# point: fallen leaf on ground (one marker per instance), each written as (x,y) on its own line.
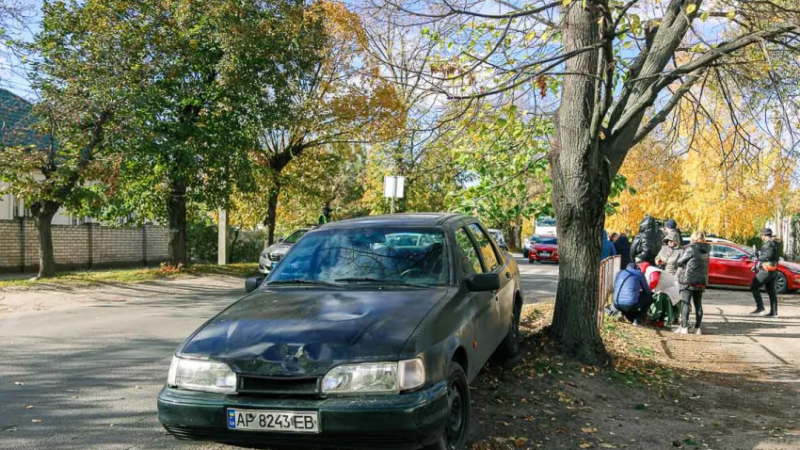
(36,420)
(29,407)
(19,383)
(589,430)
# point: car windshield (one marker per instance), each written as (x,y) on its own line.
(546,222)
(366,256)
(294,237)
(547,241)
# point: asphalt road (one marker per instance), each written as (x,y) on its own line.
(86,376)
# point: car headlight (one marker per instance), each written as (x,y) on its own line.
(794,270)
(374,378)
(201,375)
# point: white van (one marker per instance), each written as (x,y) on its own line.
(545,226)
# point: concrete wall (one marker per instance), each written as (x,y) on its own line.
(81,246)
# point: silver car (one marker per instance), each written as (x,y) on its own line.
(274,253)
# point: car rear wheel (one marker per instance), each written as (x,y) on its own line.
(781,284)
(509,348)
(454,436)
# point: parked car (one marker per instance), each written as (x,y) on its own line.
(499,238)
(272,255)
(352,342)
(710,238)
(543,248)
(730,265)
(546,226)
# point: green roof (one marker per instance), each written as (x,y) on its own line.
(17,121)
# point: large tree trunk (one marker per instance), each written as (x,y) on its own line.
(272,212)
(176,218)
(43,213)
(581,185)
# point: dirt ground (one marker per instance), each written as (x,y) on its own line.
(651,401)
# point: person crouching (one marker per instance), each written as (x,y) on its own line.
(632,294)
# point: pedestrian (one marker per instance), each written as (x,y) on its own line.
(671,231)
(632,294)
(613,237)
(692,278)
(647,243)
(670,252)
(608,249)
(623,247)
(766,274)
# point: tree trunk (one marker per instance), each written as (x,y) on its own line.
(581,184)
(43,213)
(176,218)
(272,213)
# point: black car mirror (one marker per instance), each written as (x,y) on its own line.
(252,283)
(481,282)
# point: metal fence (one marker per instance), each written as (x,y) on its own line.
(608,269)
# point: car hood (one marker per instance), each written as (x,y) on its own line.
(280,249)
(546,247)
(305,332)
(793,267)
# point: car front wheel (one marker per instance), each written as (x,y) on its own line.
(454,436)
(781,284)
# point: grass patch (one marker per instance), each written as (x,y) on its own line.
(135,275)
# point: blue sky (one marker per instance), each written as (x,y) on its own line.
(12,71)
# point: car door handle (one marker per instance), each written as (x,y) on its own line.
(508,275)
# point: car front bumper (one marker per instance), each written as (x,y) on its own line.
(264,265)
(406,421)
(533,256)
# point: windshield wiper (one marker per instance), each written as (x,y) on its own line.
(377,281)
(302,281)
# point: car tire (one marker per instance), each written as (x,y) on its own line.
(454,435)
(524,253)
(509,348)
(781,284)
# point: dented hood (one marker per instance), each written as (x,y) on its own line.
(305,332)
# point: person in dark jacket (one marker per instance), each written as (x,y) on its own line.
(693,277)
(766,274)
(647,243)
(623,247)
(608,247)
(632,294)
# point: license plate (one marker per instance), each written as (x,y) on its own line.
(278,421)
(544,254)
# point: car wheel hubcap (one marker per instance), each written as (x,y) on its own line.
(779,284)
(455,424)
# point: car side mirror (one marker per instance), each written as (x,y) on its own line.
(252,283)
(482,282)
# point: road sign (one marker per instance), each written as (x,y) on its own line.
(393,187)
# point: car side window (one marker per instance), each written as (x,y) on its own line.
(470,263)
(716,252)
(491,258)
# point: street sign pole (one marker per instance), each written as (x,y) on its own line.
(393,187)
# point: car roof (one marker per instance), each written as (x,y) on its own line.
(406,219)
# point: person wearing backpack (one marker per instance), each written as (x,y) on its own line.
(766,274)
(647,244)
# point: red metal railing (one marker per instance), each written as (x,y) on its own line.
(608,269)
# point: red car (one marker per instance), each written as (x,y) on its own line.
(730,265)
(543,248)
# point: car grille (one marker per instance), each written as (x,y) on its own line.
(265,440)
(274,257)
(274,386)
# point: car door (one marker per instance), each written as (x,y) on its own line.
(737,266)
(482,304)
(716,268)
(504,298)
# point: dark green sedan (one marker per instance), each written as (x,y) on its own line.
(365,335)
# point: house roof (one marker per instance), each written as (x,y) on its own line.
(17,121)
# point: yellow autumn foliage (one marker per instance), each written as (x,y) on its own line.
(716,187)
